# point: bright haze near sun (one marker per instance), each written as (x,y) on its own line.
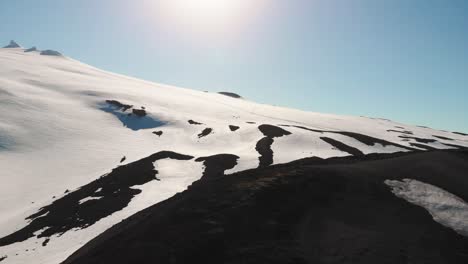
(209,19)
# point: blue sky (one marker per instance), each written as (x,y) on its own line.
(398,59)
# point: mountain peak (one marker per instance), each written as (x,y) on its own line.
(12,44)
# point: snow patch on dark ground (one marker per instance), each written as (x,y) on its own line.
(446,208)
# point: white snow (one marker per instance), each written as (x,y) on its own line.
(55,135)
(445,208)
(91,198)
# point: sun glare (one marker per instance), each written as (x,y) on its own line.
(206,16)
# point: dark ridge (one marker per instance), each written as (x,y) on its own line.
(217,164)
(273,131)
(123,159)
(119,105)
(305,128)
(313,210)
(194,122)
(46,241)
(454,146)
(423,126)
(139,112)
(3,258)
(403,132)
(263,146)
(158,133)
(250,122)
(233,128)
(460,133)
(343,147)
(444,138)
(205,132)
(233,95)
(420,140)
(426,147)
(116,192)
(368,140)
(399,127)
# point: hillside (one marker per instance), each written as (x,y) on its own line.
(82,149)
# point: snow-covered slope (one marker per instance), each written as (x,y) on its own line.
(64,124)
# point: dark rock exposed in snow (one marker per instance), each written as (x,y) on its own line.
(419,140)
(51,53)
(12,45)
(368,140)
(407,132)
(31,49)
(119,105)
(217,164)
(443,138)
(233,128)
(263,146)
(233,95)
(139,112)
(343,147)
(136,120)
(158,133)
(194,122)
(205,132)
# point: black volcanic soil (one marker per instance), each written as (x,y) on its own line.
(158,133)
(444,138)
(343,147)
(233,95)
(422,146)
(194,122)
(368,140)
(407,132)
(205,132)
(119,105)
(331,211)
(139,112)
(263,146)
(419,140)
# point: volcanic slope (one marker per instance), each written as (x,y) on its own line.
(65,126)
